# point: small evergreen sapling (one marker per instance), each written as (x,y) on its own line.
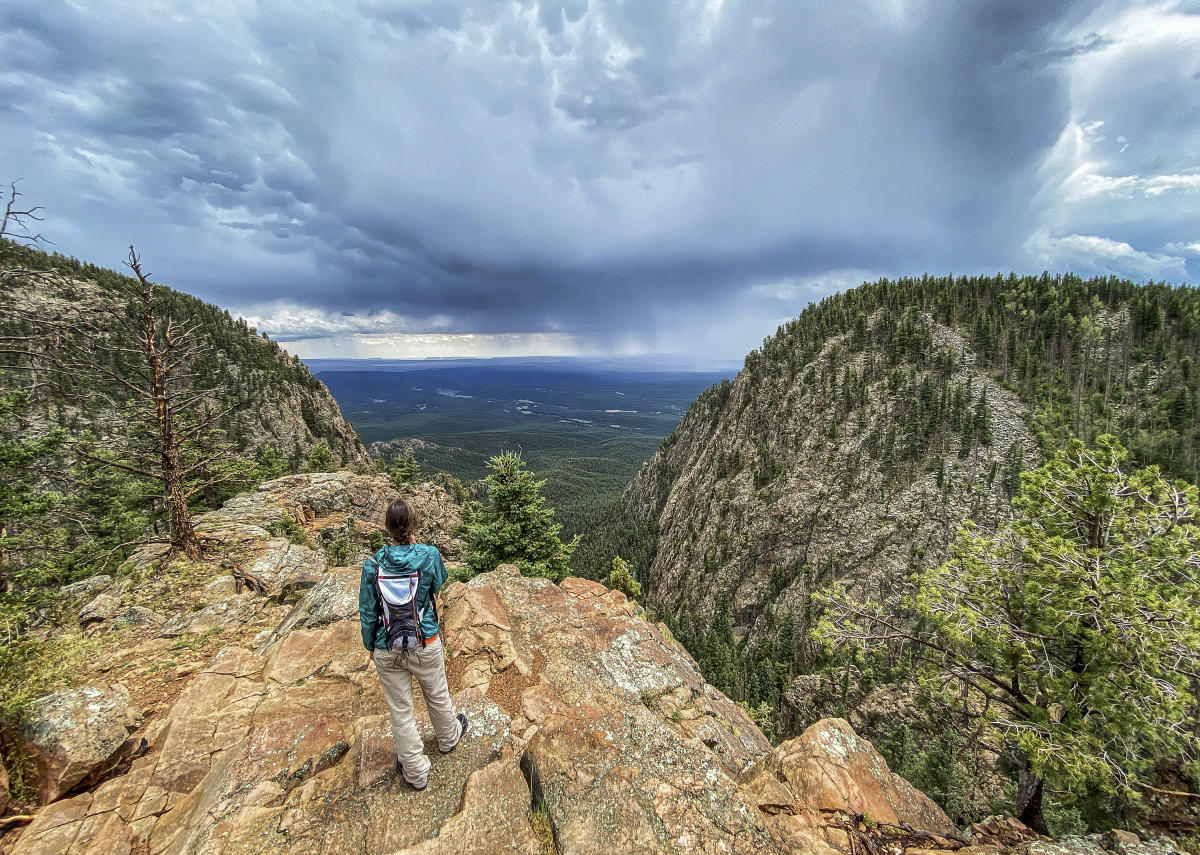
(620,579)
(1075,627)
(515,527)
(320,459)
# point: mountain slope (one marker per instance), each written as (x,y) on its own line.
(861,436)
(276,402)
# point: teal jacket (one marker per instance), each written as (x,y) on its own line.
(398,558)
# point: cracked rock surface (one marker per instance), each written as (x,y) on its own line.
(592,731)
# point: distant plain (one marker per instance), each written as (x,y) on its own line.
(584,425)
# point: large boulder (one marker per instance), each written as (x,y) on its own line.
(592,731)
(817,788)
(74,733)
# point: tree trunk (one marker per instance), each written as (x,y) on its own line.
(1029,799)
(183,535)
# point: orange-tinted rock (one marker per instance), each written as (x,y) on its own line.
(577,705)
(831,768)
(74,733)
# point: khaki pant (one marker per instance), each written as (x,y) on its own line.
(396,672)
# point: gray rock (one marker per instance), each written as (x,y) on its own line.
(176,625)
(101,608)
(73,733)
(284,569)
(86,589)
(332,599)
(138,616)
(229,611)
(222,586)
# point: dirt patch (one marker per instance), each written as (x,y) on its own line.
(507,687)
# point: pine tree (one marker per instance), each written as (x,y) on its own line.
(515,527)
(620,579)
(320,459)
(404,470)
(1072,630)
(23,505)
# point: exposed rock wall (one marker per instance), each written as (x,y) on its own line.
(581,712)
(768,491)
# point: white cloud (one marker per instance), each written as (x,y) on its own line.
(427,346)
(1093,254)
(1127,161)
(284,320)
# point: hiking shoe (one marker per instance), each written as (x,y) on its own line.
(462,721)
(400,772)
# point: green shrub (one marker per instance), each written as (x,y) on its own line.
(287,526)
(620,579)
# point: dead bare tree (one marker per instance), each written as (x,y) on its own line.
(128,359)
(17,225)
(151,374)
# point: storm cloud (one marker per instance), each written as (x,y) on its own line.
(612,176)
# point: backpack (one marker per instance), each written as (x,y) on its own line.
(401,617)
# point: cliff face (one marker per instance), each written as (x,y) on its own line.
(865,432)
(852,464)
(275,401)
(591,729)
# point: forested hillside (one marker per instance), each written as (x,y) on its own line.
(858,439)
(276,402)
(119,414)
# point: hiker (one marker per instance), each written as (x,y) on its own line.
(400,631)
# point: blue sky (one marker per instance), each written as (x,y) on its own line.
(438,177)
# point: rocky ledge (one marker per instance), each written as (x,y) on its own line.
(592,731)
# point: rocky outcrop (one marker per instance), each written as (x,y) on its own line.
(4,793)
(275,401)
(74,733)
(798,472)
(320,502)
(259,568)
(830,771)
(583,714)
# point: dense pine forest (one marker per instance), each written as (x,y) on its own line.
(851,449)
(1089,356)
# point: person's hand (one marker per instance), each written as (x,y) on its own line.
(370,655)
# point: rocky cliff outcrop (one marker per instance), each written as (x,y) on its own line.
(831,458)
(274,400)
(580,710)
(591,728)
(141,635)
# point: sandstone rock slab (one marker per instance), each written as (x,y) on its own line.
(74,732)
(99,608)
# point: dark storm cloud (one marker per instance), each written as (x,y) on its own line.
(600,168)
